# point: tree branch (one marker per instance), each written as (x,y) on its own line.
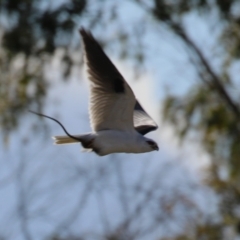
(216,82)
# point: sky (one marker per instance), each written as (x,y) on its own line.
(61,189)
(50,173)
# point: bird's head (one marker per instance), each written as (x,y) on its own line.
(152,144)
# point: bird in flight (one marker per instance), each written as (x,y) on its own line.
(117,119)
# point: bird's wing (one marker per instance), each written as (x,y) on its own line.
(143,123)
(111,99)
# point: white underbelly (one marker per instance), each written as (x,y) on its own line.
(111,141)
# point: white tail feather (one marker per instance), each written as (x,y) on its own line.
(64,140)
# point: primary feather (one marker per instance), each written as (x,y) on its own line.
(117,119)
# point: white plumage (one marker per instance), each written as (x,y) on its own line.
(118,121)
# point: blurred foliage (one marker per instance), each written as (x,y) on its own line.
(209,110)
(205,232)
(66,238)
(171,13)
(30,33)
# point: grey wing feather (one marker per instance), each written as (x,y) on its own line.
(111,99)
(100,68)
(143,123)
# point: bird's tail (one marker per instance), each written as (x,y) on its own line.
(66,139)
(85,139)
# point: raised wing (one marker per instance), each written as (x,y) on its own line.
(143,123)
(111,99)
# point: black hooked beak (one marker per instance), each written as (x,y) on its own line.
(156,148)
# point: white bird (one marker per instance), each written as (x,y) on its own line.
(118,121)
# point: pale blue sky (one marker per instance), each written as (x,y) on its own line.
(55,177)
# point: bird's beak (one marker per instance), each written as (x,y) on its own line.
(156,148)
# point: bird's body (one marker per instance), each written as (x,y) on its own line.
(118,121)
(108,141)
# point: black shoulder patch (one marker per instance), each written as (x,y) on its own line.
(118,85)
(138,106)
(145,129)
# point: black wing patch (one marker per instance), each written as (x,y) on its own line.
(143,123)
(145,129)
(100,67)
(118,85)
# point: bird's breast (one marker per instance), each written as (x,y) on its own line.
(113,141)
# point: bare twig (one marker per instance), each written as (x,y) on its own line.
(216,81)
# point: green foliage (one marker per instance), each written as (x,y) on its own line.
(211,112)
(31,33)
(33,24)
(170,12)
